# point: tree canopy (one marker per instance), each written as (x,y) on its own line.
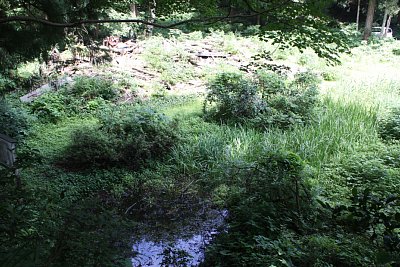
(25,24)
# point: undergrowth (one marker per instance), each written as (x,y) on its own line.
(308,179)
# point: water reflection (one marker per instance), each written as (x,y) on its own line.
(179,247)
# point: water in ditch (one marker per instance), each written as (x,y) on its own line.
(177,241)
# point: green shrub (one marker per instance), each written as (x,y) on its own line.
(94,87)
(274,218)
(85,96)
(329,76)
(90,147)
(6,84)
(49,107)
(270,84)
(304,80)
(14,121)
(396,51)
(389,128)
(233,96)
(127,135)
(267,101)
(143,133)
(269,201)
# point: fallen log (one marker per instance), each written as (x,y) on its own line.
(121,50)
(211,55)
(53,85)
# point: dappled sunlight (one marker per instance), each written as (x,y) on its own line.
(190,133)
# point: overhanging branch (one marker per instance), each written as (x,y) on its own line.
(100,21)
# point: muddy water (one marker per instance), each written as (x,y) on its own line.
(182,243)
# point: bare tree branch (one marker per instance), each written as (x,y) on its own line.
(79,23)
(100,21)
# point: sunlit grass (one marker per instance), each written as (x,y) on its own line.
(190,109)
(50,139)
(339,129)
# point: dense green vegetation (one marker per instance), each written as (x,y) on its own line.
(304,155)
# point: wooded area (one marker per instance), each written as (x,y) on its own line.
(199,133)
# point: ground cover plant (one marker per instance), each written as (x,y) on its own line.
(301,154)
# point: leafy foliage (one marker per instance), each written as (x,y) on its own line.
(270,201)
(14,121)
(269,101)
(49,107)
(389,128)
(85,96)
(94,87)
(396,51)
(6,85)
(126,135)
(47,226)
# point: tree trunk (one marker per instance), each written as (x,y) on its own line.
(134,10)
(370,19)
(383,27)
(358,14)
(389,21)
(152,18)
(398,17)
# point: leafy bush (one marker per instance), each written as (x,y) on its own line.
(128,136)
(304,80)
(143,133)
(90,147)
(233,96)
(6,84)
(14,121)
(94,87)
(56,224)
(329,76)
(370,205)
(396,51)
(268,200)
(49,107)
(267,101)
(86,95)
(389,128)
(275,219)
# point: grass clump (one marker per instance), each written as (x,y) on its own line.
(268,100)
(338,130)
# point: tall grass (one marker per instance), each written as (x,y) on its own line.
(379,92)
(338,130)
